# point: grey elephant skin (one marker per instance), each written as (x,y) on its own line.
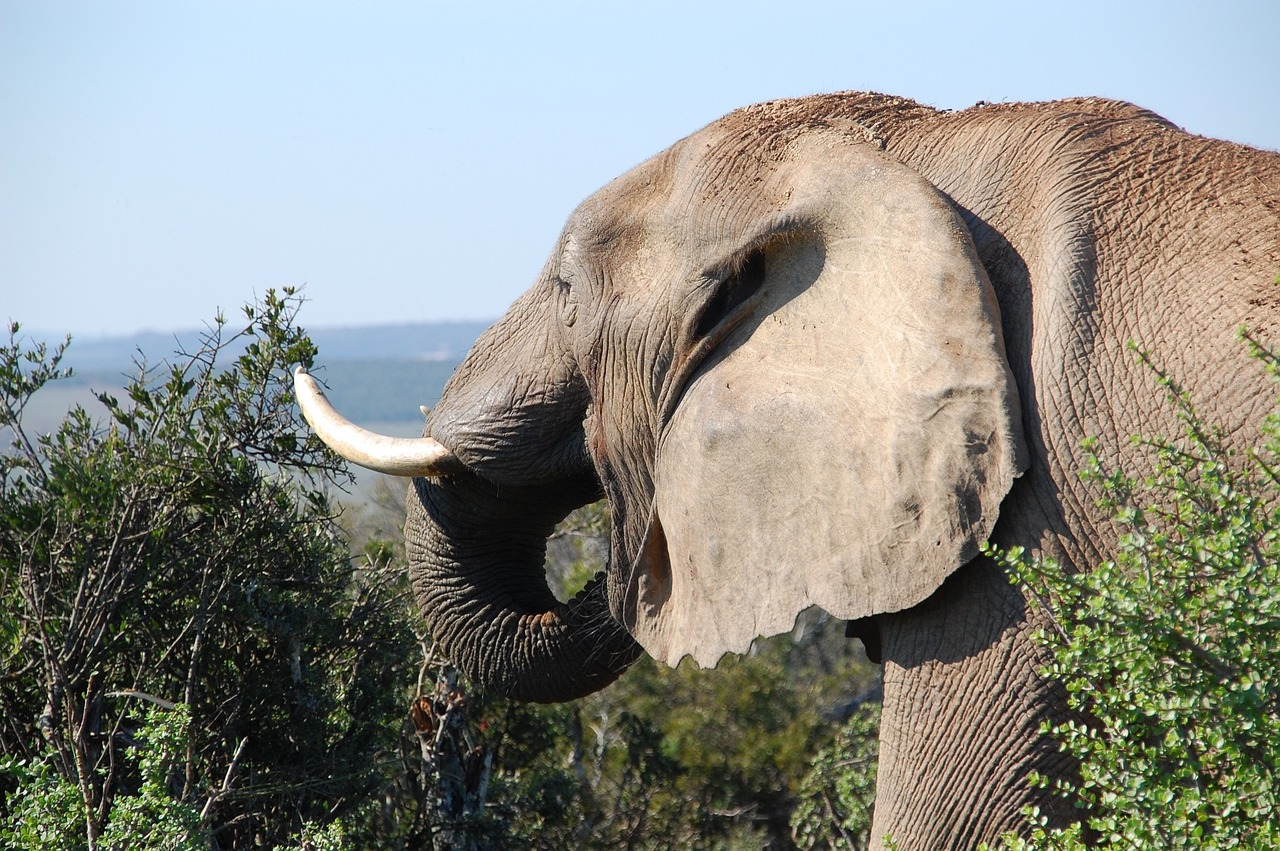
(817,353)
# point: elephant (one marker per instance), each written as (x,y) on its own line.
(816,354)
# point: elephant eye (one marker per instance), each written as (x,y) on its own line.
(732,292)
(568,304)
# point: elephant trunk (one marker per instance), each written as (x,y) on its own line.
(476,557)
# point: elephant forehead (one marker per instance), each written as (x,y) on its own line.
(698,195)
(620,209)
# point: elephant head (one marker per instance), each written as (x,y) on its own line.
(775,352)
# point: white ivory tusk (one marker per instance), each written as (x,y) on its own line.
(395,456)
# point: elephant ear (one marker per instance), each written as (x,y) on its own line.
(848,445)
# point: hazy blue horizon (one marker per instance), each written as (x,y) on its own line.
(422,342)
(55,335)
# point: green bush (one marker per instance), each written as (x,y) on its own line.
(1171,651)
(185,552)
(48,812)
(836,798)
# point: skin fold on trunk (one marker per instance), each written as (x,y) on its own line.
(476,557)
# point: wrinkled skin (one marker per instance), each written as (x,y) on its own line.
(800,374)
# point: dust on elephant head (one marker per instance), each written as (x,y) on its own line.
(805,353)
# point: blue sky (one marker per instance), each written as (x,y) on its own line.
(415,161)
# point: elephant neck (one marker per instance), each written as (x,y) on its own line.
(963,706)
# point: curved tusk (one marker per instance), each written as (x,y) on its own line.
(395,456)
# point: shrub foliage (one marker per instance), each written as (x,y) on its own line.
(1171,651)
(183,554)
